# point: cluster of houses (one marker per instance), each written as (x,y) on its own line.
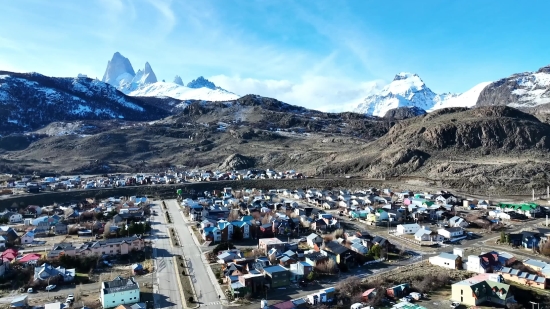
(35,184)
(85,218)
(279,263)
(452,230)
(495,270)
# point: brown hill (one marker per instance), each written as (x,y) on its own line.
(487,146)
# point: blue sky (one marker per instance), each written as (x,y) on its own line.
(320,54)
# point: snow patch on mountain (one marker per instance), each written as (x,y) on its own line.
(466,99)
(408,90)
(172,90)
(534,89)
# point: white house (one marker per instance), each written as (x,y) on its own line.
(28,238)
(313,239)
(425,234)
(407,229)
(446,260)
(446,198)
(120,291)
(451,232)
(12,217)
(457,221)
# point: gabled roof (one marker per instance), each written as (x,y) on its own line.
(421,232)
(335,247)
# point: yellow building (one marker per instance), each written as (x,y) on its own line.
(484,288)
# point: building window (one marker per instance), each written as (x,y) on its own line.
(461,292)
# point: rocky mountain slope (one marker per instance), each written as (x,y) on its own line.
(522,90)
(405,112)
(483,147)
(120,74)
(264,132)
(29,101)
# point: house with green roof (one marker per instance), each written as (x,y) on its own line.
(527,209)
(474,292)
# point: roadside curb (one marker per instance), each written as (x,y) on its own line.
(182,293)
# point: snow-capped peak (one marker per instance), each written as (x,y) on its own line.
(178,80)
(408,90)
(120,74)
(404,75)
(119,71)
(201,82)
(404,84)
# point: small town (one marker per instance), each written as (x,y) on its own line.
(273,248)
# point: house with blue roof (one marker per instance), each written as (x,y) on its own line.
(226,229)
(523,278)
(243,226)
(212,233)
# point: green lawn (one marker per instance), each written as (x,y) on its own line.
(82,278)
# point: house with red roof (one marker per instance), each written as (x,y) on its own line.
(9,255)
(30,258)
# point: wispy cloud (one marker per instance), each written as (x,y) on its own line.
(167,22)
(317,92)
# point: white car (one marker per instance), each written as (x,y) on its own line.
(70,298)
(50,287)
(455,304)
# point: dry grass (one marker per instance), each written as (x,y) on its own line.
(198,235)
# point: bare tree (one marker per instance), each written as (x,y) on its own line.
(349,286)
(257,252)
(107,229)
(328,267)
(69,211)
(338,233)
(77,292)
(266,219)
(233,216)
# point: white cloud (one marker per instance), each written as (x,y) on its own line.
(318,92)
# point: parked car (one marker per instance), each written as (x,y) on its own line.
(70,298)
(107,263)
(51,287)
(455,304)
(30,290)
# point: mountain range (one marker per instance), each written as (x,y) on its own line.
(143,83)
(522,90)
(131,121)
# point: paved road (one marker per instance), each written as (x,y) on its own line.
(201,275)
(165,284)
